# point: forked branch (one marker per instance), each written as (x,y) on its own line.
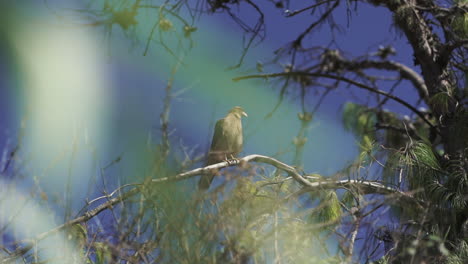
(309,184)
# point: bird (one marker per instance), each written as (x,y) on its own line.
(227,142)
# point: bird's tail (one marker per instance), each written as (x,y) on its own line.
(213,157)
(205,181)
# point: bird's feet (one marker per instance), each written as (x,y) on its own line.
(232,160)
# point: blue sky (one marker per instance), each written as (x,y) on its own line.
(138,82)
(206,92)
(134,96)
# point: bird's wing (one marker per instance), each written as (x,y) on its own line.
(218,141)
(216,154)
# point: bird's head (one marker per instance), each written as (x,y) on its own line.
(238,112)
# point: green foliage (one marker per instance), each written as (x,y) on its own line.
(348,199)
(423,156)
(78,234)
(330,209)
(459,255)
(359,119)
(103,253)
(183,232)
(422,130)
(124,17)
(403,16)
(383,260)
(440,102)
(249,197)
(165,24)
(460,22)
(362,121)
(393,138)
(247,220)
(393,168)
(460,25)
(188,30)
(366,146)
(421,165)
(302,245)
(451,189)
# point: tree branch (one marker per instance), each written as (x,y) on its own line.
(309,184)
(340,78)
(405,72)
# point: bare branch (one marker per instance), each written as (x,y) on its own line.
(355,83)
(310,184)
(405,72)
(296,12)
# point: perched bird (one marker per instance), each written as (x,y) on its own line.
(226,143)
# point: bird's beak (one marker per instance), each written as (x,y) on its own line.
(244,114)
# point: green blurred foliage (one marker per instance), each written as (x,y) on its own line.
(441,101)
(459,255)
(460,22)
(78,234)
(103,253)
(329,209)
(360,120)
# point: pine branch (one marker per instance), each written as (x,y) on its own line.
(309,184)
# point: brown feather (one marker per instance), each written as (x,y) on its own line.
(226,142)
